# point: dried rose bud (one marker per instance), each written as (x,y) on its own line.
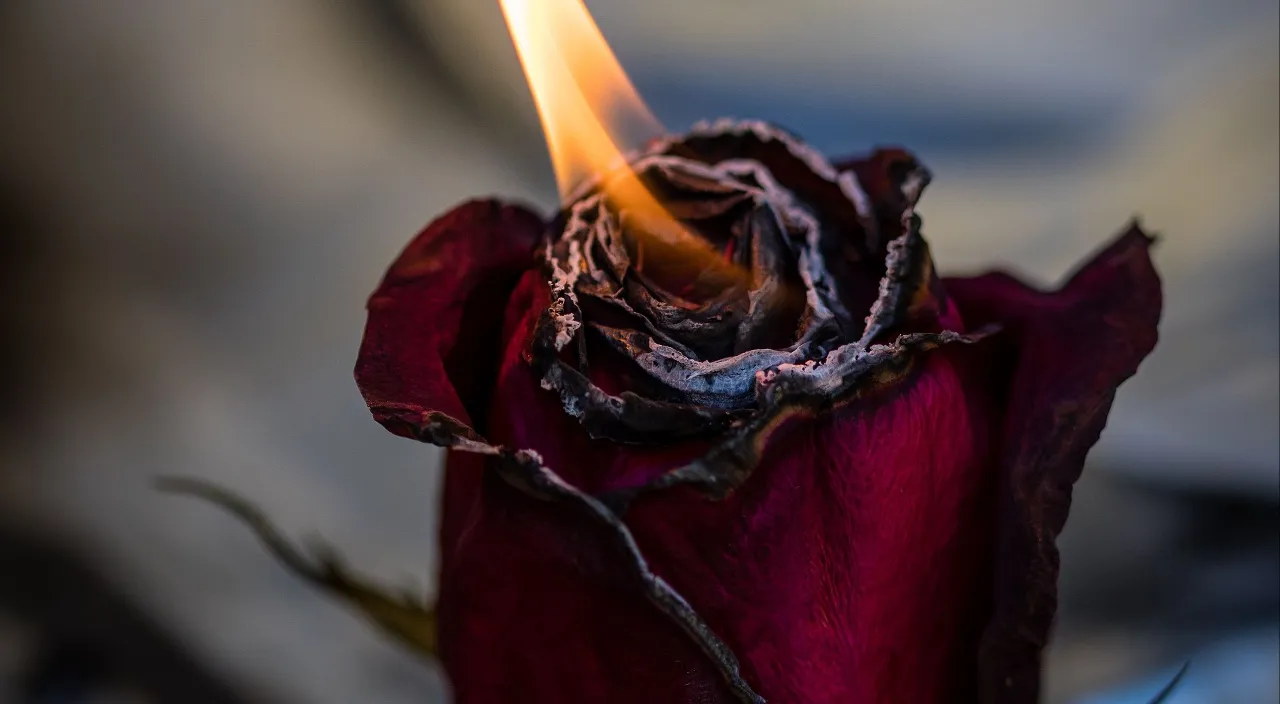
(764,455)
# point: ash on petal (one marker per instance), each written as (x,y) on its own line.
(803,236)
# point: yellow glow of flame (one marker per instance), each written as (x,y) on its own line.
(584,98)
(577,85)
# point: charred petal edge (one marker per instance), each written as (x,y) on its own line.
(443,430)
(405,616)
(765,132)
(907,264)
(907,269)
(629,418)
(732,462)
(626,418)
(525,471)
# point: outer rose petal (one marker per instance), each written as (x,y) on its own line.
(1069,351)
(432,340)
(418,356)
(856,564)
(854,560)
(853,565)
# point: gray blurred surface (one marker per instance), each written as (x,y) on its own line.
(208,192)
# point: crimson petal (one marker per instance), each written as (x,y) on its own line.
(1068,350)
(431,344)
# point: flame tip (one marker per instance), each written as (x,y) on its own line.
(584,99)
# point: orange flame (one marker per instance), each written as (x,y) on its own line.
(577,84)
(585,102)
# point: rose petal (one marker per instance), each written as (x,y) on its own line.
(538,606)
(524,414)
(826,508)
(852,565)
(910,297)
(786,157)
(432,340)
(851,562)
(893,179)
(418,359)
(1069,350)
(521,569)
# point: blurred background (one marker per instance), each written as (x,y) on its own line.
(197,197)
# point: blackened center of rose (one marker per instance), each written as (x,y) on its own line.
(770,261)
(717,281)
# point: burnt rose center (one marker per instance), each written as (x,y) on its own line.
(775,268)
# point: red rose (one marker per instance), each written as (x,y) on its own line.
(770,456)
(666,483)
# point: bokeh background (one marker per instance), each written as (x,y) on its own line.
(197,196)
